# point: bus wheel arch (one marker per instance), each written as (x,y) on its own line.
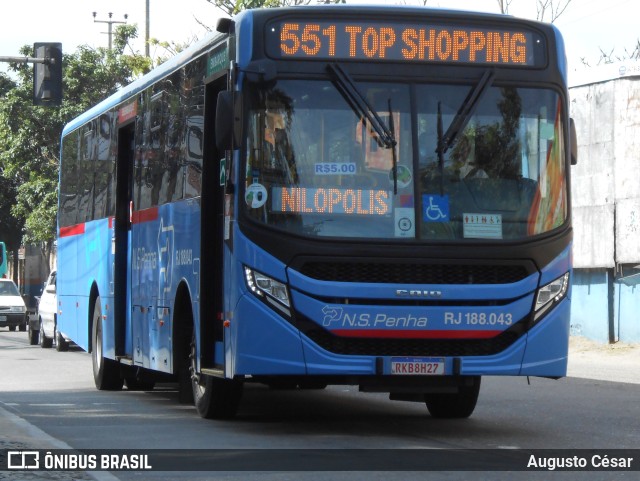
(106,372)
(94,297)
(214,397)
(182,326)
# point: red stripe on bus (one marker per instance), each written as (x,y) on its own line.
(72,230)
(112,221)
(145,215)
(415,334)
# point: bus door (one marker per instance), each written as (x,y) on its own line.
(145,224)
(212,349)
(121,241)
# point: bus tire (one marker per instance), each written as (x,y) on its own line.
(454,406)
(137,379)
(45,342)
(312,385)
(214,398)
(106,372)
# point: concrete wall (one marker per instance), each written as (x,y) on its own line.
(606,207)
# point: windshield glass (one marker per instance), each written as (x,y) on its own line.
(8,289)
(316,167)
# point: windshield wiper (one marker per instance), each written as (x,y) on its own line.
(394,168)
(361,106)
(446,140)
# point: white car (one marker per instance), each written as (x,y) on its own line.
(13,311)
(47,318)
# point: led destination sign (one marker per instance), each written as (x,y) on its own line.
(342,40)
(331,201)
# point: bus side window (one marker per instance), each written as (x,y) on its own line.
(193,124)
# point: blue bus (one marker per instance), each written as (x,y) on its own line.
(3,260)
(369,196)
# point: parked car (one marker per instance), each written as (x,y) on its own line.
(47,329)
(13,311)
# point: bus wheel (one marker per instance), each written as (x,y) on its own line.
(106,372)
(12,328)
(312,385)
(137,379)
(213,397)
(459,405)
(45,342)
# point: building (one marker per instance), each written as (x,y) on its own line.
(605,104)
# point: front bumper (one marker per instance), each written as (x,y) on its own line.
(13,319)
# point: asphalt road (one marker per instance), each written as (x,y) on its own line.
(48,400)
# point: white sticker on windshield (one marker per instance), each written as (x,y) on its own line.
(405,220)
(255,196)
(482,226)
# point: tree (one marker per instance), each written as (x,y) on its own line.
(504,5)
(233,7)
(554,8)
(612,56)
(30,135)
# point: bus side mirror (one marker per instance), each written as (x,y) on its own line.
(574,142)
(227,121)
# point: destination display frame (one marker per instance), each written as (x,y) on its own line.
(454,43)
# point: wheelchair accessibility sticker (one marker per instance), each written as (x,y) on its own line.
(435,208)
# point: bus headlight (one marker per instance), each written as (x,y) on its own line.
(274,292)
(550,295)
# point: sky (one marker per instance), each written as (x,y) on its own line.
(587,25)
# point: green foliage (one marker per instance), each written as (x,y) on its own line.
(30,135)
(232,7)
(169,48)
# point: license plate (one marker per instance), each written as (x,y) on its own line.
(417,366)
(3,318)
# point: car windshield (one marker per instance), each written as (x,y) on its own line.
(316,167)
(8,289)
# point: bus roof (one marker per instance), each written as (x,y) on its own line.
(248,16)
(143,82)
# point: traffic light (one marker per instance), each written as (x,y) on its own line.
(47,76)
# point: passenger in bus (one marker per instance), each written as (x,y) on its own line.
(278,150)
(464,162)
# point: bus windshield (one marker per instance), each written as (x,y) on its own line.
(317,167)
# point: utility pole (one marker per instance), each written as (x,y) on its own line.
(146,30)
(110,23)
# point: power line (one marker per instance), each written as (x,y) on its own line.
(110,23)
(607,7)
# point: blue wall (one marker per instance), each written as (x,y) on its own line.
(590,306)
(627,308)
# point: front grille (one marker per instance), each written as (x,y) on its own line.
(414,273)
(413,347)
